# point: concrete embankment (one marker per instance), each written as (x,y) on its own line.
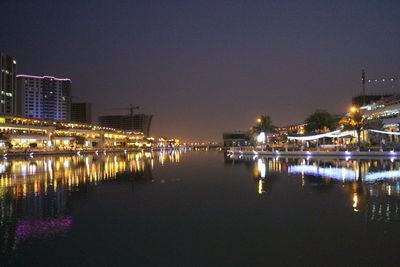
(344,154)
(81,152)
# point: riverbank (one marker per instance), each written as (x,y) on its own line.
(16,154)
(343,154)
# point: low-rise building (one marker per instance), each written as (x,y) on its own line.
(236,139)
(22,132)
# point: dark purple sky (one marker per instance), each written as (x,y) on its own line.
(204,67)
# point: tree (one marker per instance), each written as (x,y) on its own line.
(320,121)
(355,121)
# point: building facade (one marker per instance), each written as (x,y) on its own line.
(236,138)
(8,67)
(81,112)
(44,97)
(137,122)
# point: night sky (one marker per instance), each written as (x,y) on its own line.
(204,67)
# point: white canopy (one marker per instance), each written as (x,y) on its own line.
(383,132)
(337,133)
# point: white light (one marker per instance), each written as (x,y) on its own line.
(261,168)
(334,173)
(383,132)
(314,137)
(261,137)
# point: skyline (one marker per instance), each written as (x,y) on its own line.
(202,69)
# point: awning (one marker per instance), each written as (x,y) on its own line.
(334,134)
(384,132)
(313,137)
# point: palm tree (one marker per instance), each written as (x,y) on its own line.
(355,121)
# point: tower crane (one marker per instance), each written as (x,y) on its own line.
(131,108)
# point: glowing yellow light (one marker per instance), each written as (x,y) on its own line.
(353,109)
(355,202)
(260,187)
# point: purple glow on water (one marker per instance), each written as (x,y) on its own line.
(42,228)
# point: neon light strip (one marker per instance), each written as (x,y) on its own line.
(383,132)
(41,77)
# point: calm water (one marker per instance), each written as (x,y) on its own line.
(198,208)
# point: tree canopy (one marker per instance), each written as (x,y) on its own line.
(264,124)
(320,121)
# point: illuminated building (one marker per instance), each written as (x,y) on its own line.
(236,139)
(44,97)
(137,122)
(27,132)
(81,112)
(358,100)
(8,67)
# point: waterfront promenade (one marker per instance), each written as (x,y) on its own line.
(314,153)
(31,153)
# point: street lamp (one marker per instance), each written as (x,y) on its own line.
(353,109)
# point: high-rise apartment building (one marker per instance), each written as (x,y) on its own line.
(8,67)
(44,97)
(81,112)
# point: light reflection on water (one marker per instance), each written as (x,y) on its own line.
(373,185)
(35,192)
(169,208)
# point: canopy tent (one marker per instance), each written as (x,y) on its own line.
(333,134)
(383,132)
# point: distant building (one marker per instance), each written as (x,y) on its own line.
(44,97)
(358,101)
(137,122)
(236,138)
(8,67)
(295,129)
(81,112)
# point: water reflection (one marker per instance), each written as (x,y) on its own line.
(373,185)
(35,193)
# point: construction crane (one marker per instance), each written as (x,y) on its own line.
(131,108)
(364,80)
